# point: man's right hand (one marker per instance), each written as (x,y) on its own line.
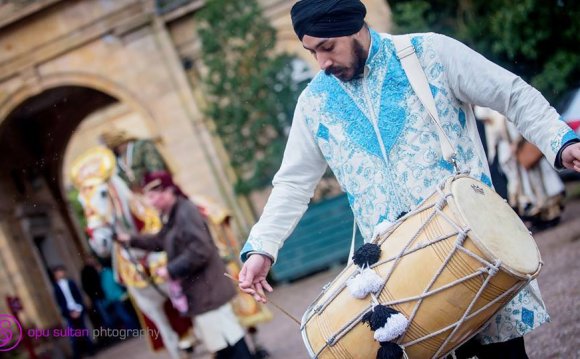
(253,276)
(74,314)
(123,237)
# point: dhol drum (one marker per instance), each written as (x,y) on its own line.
(448,267)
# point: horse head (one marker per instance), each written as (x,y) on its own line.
(104,197)
(105,211)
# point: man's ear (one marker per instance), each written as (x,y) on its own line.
(362,32)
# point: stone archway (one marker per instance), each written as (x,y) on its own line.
(76,57)
(35,225)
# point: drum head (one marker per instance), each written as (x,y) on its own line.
(495,227)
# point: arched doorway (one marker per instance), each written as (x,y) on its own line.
(37,230)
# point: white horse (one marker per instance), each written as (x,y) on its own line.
(110,205)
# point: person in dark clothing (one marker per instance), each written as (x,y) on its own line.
(511,349)
(194,267)
(91,283)
(115,300)
(497,177)
(70,301)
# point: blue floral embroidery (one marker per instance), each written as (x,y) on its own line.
(485,179)
(350,198)
(434,90)
(462,119)
(570,135)
(322,132)
(445,164)
(344,110)
(376,44)
(246,249)
(564,135)
(527,317)
(417,42)
(393,115)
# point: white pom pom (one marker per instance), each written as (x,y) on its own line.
(364,283)
(373,281)
(394,328)
(381,228)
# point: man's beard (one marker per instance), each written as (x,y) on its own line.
(358,64)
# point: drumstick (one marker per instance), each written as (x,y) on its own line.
(270,301)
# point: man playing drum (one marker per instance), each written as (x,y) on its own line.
(360,116)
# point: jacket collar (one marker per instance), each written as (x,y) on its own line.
(169,218)
(373,48)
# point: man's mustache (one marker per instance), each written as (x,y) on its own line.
(334,70)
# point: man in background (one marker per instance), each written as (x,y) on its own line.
(91,284)
(70,301)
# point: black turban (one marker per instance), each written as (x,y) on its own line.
(327,18)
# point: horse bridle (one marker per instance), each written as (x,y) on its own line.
(113,227)
(148,277)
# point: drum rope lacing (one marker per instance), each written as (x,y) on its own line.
(488,268)
(337,291)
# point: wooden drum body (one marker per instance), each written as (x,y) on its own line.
(449,266)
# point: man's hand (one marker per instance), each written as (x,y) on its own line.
(163,273)
(123,237)
(253,277)
(74,314)
(571,157)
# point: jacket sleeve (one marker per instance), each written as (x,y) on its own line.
(148,242)
(302,167)
(475,80)
(61,301)
(76,293)
(198,248)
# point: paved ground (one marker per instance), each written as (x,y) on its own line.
(559,282)
(560,248)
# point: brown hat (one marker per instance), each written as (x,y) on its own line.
(114,138)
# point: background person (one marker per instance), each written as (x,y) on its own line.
(534,188)
(91,283)
(193,261)
(70,301)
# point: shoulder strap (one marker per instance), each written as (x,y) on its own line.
(418,80)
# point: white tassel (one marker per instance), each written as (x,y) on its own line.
(367,281)
(381,228)
(394,328)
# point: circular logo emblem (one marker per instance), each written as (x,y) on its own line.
(10,332)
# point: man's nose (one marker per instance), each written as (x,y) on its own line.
(324,62)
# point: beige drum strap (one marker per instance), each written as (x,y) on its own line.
(418,80)
(352,242)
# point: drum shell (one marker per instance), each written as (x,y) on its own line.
(411,276)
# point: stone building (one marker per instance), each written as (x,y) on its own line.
(68,70)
